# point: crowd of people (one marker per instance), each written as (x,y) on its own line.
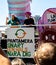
(15,21)
(45,53)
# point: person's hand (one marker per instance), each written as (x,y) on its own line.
(17,22)
(7,20)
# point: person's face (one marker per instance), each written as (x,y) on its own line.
(13,17)
(27,15)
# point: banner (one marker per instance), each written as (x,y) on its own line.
(18,7)
(20,42)
(20,33)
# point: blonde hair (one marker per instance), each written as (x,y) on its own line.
(44,51)
(17,61)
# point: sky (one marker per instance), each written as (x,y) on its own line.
(37,8)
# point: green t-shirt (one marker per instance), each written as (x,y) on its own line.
(14,22)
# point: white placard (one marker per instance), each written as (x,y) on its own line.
(20,33)
(23,50)
(20,45)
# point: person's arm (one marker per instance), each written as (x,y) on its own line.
(32,21)
(17,21)
(25,22)
(7,21)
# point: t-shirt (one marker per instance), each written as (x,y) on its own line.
(29,21)
(14,22)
